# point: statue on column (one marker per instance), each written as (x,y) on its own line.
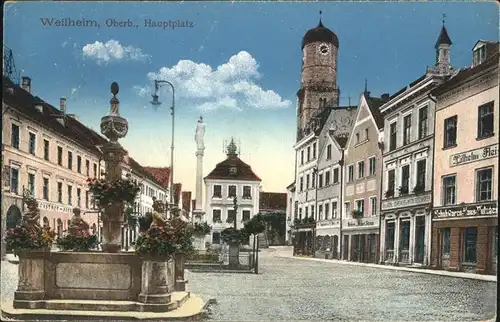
(200,132)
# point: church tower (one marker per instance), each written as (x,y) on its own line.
(443,52)
(319,75)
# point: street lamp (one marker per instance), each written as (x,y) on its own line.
(156,103)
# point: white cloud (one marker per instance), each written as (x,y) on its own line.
(112,50)
(232,85)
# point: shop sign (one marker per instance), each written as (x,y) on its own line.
(54,207)
(303,229)
(474,155)
(467,211)
(363,222)
(407,201)
(333,222)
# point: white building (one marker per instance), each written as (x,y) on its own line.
(229,179)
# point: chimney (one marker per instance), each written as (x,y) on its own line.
(26,84)
(385,97)
(39,107)
(62,105)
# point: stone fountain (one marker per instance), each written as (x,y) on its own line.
(106,284)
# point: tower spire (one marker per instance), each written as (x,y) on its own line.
(444,18)
(320,21)
(366,85)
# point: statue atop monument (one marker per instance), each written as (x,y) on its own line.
(200,132)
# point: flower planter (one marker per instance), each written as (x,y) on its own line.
(31,284)
(157,281)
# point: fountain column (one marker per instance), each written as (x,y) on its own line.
(114,127)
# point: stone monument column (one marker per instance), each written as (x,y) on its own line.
(114,127)
(200,148)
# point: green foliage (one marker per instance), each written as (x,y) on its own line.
(357,214)
(256,225)
(20,239)
(201,229)
(105,192)
(81,243)
(157,242)
(234,236)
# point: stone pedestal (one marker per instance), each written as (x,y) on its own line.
(180,282)
(156,283)
(234,255)
(31,284)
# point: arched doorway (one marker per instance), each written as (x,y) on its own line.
(59,227)
(45,222)
(13,217)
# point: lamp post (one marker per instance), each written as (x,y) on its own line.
(155,102)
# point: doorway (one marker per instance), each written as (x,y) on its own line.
(419,239)
(345,251)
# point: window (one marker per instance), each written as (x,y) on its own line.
(308,153)
(307,181)
(247,192)
(422,122)
(361,169)
(320,212)
(484,184)
(46,147)
(313,181)
(334,209)
(347,207)
(421,165)
(327,178)
(450,132)
(246,215)
(373,203)
(302,157)
(479,55)
(78,197)
(87,200)
(445,241)
(327,211)
(328,151)
(485,120)
(32,143)
(312,212)
(217,191)
(14,139)
(59,192)
(300,213)
(389,236)
(335,175)
(314,150)
(87,168)
(449,190)
(46,189)
(366,134)
(469,246)
(405,179)
(391,183)
(301,183)
(70,160)
(231,215)
(357,137)
(216,215)
(95,170)
(392,136)
(407,129)
(216,238)
(59,155)
(307,211)
(14,180)
(405,235)
(79,164)
(360,206)
(70,195)
(320,180)
(350,173)
(31,183)
(372,165)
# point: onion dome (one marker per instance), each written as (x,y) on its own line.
(320,34)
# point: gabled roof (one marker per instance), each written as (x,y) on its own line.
(272,201)
(338,122)
(186,201)
(222,170)
(136,167)
(161,174)
(24,102)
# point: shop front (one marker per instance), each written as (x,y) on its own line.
(361,239)
(303,237)
(465,238)
(328,239)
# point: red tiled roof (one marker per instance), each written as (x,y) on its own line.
(272,201)
(243,171)
(161,174)
(177,192)
(186,201)
(140,170)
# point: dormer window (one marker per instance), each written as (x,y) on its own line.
(479,55)
(233,171)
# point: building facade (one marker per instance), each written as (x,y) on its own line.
(230,179)
(363,159)
(408,163)
(291,212)
(465,220)
(49,154)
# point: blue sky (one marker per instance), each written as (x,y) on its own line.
(238,66)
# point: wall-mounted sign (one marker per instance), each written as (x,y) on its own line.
(467,211)
(474,155)
(371,222)
(332,222)
(407,201)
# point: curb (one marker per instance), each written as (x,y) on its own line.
(486,278)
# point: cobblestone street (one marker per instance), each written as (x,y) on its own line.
(294,289)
